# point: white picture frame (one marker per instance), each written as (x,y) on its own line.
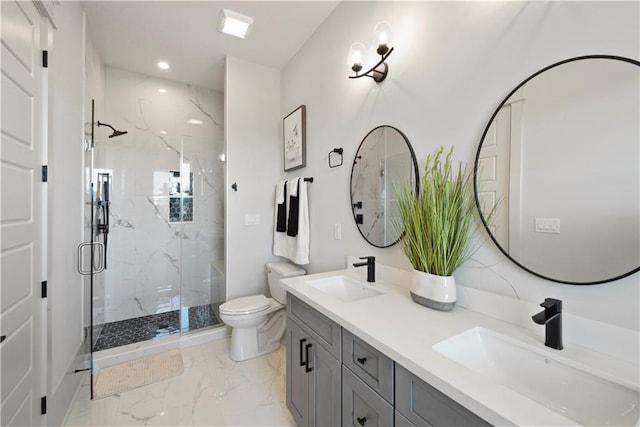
(294,142)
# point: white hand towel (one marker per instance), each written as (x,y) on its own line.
(280,192)
(281,207)
(296,248)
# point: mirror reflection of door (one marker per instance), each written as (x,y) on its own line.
(572,203)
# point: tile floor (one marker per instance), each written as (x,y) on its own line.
(212,391)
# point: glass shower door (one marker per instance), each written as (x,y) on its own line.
(201,215)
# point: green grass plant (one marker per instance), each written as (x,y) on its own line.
(439,219)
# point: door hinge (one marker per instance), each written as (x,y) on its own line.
(45,59)
(43,405)
(44,289)
(45,173)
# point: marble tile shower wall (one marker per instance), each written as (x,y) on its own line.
(368,182)
(149,253)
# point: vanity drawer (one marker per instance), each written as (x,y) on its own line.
(361,406)
(371,366)
(324,330)
(423,405)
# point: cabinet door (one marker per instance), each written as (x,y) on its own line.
(401,421)
(325,404)
(423,405)
(361,405)
(297,378)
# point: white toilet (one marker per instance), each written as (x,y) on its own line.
(257,322)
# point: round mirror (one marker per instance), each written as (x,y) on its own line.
(384,160)
(557,173)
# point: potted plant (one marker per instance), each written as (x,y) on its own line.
(438,223)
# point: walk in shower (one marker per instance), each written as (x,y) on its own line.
(154,203)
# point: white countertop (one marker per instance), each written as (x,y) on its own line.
(406,332)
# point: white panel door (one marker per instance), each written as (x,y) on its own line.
(493,173)
(20,214)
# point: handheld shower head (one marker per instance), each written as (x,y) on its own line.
(115,131)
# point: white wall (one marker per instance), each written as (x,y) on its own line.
(454,62)
(65,332)
(254,161)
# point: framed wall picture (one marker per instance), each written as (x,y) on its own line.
(295,139)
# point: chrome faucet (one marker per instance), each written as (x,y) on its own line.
(371,267)
(551,318)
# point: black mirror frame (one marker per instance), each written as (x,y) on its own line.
(353,164)
(475,170)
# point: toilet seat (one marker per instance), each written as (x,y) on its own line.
(245,305)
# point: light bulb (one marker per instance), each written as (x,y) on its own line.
(356,55)
(382,35)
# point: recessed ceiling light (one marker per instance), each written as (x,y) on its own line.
(194,121)
(234,23)
(163,132)
(162,90)
(163,65)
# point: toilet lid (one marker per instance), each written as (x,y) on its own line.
(245,305)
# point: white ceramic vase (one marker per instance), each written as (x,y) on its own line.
(430,290)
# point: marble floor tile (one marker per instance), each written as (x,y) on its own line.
(212,391)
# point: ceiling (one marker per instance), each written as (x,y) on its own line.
(135,35)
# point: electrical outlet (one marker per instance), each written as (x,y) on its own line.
(548,225)
(252,219)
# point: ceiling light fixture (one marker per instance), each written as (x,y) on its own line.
(234,23)
(162,90)
(382,34)
(163,65)
(194,121)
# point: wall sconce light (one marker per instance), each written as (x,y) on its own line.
(382,34)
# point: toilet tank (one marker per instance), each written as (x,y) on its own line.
(281,270)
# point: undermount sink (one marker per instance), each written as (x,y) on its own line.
(344,288)
(584,397)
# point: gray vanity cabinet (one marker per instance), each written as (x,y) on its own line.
(313,370)
(334,378)
(419,404)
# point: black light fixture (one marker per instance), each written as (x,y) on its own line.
(378,72)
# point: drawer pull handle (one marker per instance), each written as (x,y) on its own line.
(362,421)
(302,341)
(307,368)
(361,360)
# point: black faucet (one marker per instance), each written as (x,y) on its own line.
(371,267)
(551,318)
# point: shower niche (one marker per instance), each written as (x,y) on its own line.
(180,197)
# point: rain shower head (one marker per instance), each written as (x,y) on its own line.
(115,131)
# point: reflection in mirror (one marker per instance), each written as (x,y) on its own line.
(384,160)
(559,158)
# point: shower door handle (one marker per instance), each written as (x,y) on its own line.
(99,256)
